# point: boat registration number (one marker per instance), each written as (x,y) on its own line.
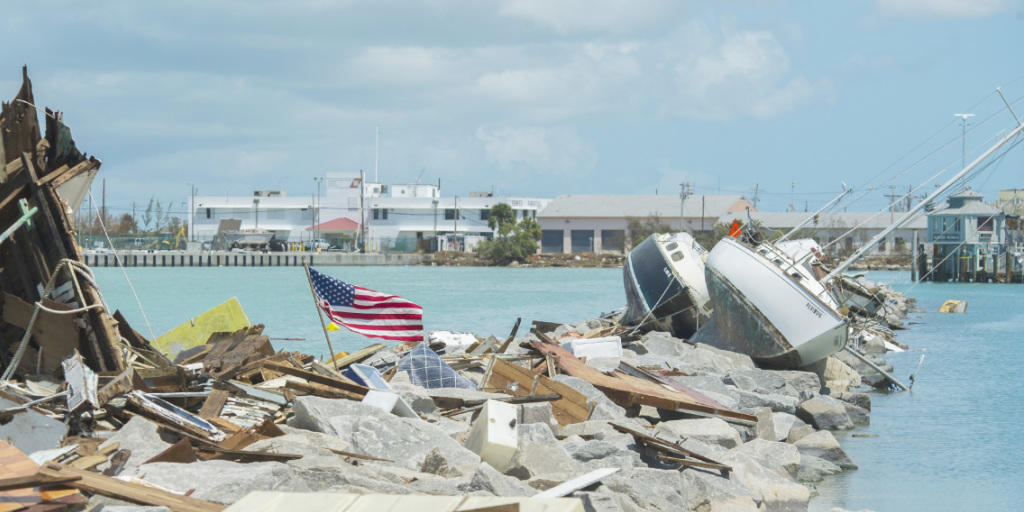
(810,307)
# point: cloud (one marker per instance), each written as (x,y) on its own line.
(943,9)
(536,149)
(593,16)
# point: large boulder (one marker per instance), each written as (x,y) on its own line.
(815,469)
(301,442)
(222,481)
(140,438)
(784,458)
(649,488)
(784,423)
(709,430)
(825,413)
(749,401)
(823,444)
(772,490)
(489,481)
(708,492)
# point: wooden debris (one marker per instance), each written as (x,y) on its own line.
(356,356)
(128,491)
(571,408)
(674,452)
(213,404)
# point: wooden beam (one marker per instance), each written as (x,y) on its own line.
(122,490)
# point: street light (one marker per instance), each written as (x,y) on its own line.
(963,143)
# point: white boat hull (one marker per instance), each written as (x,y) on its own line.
(761,310)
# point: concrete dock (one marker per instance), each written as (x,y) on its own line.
(247,259)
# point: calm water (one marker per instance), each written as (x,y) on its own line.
(951,444)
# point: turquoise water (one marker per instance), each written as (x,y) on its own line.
(950,444)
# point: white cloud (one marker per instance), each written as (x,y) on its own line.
(536,149)
(589,16)
(943,9)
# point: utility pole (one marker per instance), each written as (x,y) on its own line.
(792,196)
(191,213)
(757,187)
(456,223)
(103,208)
(376,158)
(963,142)
(684,192)
(362,215)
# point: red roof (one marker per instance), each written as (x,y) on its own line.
(339,224)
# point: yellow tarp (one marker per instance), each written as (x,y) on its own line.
(953,306)
(226,317)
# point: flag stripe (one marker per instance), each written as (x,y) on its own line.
(368,312)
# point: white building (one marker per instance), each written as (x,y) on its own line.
(400,217)
(600,223)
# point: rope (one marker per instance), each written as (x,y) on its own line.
(117,259)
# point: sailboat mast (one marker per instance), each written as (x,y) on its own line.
(913,211)
(808,219)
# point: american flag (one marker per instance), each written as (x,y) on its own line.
(367,312)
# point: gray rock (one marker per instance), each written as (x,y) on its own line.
(139,436)
(806,384)
(435,463)
(825,413)
(603,500)
(539,459)
(862,400)
(765,428)
(490,481)
(815,469)
(735,504)
(605,410)
(650,489)
(751,400)
(537,433)
(538,413)
(223,481)
(709,430)
(758,381)
(722,360)
(799,432)
(823,444)
(770,489)
(30,431)
(859,416)
(660,344)
(301,442)
(784,458)
(704,489)
(587,428)
(783,423)
(314,413)
(134,508)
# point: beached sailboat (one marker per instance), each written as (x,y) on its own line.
(769,306)
(665,288)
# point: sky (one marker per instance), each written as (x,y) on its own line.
(527,97)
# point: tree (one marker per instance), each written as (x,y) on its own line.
(147,215)
(127,225)
(514,242)
(639,229)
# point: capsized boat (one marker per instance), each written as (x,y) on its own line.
(770,307)
(665,288)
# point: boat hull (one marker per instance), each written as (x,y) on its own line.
(762,311)
(662,295)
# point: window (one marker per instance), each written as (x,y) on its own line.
(582,240)
(208,213)
(376,213)
(449,214)
(676,256)
(613,240)
(484,213)
(671,246)
(985,223)
(551,241)
(384,213)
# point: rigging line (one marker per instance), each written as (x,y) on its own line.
(120,265)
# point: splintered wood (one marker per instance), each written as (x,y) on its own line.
(505,377)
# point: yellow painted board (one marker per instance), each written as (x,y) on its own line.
(225,317)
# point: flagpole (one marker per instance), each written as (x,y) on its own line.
(320,314)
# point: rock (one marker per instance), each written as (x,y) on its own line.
(766,382)
(784,423)
(587,428)
(823,444)
(782,457)
(771,489)
(815,469)
(825,413)
(704,490)
(749,401)
(862,400)
(139,436)
(301,442)
(806,384)
(840,376)
(488,480)
(314,413)
(134,508)
(709,430)
(650,489)
(537,433)
(416,397)
(30,431)
(660,344)
(721,360)
(605,410)
(224,481)
(799,432)
(435,463)
(735,504)
(538,413)
(603,500)
(533,459)
(765,428)
(860,416)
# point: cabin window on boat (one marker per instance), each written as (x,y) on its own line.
(676,256)
(671,247)
(797,276)
(778,262)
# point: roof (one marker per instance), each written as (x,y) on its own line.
(865,220)
(966,202)
(339,224)
(619,206)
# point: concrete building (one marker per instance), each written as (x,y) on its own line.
(600,223)
(969,238)
(852,229)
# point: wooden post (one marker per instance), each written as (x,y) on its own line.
(319,313)
(913,259)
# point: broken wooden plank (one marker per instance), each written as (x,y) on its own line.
(627,390)
(213,404)
(673,449)
(128,491)
(513,379)
(356,356)
(316,378)
(358,455)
